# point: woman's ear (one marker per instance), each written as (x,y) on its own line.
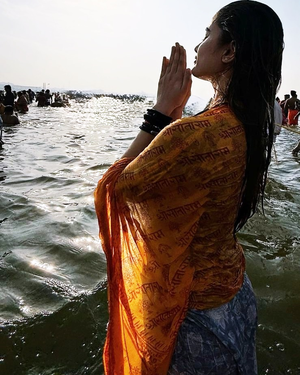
(229,53)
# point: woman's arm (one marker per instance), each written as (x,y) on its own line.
(138,145)
(174,89)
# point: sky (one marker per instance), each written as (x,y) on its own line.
(117,45)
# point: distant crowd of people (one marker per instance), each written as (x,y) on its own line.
(290,107)
(12,102)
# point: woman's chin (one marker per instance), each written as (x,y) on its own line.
(199,75)
(194,72)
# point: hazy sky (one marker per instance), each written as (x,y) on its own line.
(116,45)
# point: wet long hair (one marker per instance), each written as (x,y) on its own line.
(257,34)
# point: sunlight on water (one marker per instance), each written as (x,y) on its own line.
(86,243)
(26,310)
(42,266)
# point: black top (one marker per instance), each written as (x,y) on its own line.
(9,99)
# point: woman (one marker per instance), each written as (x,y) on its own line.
(179,299)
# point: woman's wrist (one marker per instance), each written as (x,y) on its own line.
(155,121)
(162,109)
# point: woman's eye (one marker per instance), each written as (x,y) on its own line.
(207,31)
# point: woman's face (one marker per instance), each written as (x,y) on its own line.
(209,62)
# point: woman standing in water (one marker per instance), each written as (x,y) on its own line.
(180,301)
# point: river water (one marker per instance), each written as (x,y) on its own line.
(53,303)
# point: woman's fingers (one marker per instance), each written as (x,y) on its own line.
(183,58)
(177,60)
(164,66)
(187,81)
(173,50)
(181,62)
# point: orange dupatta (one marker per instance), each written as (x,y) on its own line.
(148,211)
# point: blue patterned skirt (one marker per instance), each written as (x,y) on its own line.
(219,341)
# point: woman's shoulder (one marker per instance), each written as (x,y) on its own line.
(219,111)
(220,117)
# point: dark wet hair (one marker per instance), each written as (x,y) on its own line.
(293,93)
(257,34)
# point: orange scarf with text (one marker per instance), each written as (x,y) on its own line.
(148,210)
